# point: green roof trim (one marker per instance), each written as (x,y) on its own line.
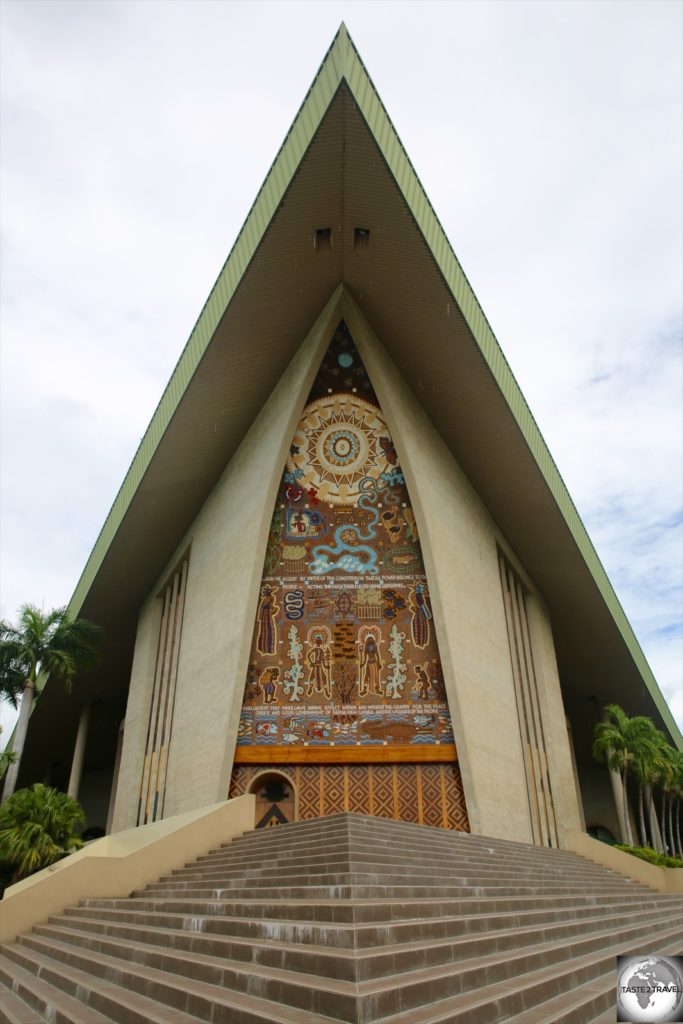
(261,213)
(342,63)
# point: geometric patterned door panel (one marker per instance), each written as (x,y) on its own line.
(426,794)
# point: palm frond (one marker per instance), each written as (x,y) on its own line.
(36,828)
(42,644)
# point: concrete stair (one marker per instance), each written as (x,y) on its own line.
(346,918)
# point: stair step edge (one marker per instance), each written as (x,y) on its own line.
(57,998)
(271,1013)
(70,935)
(466,1003)
(13,1009)
(274,974)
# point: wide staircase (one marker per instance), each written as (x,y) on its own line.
(346,918)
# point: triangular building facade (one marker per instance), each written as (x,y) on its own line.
(343,571)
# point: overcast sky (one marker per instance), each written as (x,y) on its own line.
(548,137)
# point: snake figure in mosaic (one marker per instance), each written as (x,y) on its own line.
(351,555)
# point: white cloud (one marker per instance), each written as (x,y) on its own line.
(548,137)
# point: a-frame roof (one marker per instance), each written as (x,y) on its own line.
(342,166)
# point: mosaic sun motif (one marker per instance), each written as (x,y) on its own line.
(338,444)
(344,651)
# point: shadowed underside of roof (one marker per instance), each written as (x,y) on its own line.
(342,168)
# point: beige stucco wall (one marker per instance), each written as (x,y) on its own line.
(116,865)
(669,880)
(227,545)
(598,800)
(94,793)
(566,798)
(459,542)
(137,717)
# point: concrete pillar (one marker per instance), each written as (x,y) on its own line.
(115,777)
(79,752)
(575,771)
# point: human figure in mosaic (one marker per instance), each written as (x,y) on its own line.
(421,615)
(267,682)
(423,681)
(267,618)
(319,660)
(370,667)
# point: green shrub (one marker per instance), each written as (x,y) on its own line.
(36,829)
(651,856)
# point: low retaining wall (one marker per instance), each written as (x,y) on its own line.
(662,879)
(116,865)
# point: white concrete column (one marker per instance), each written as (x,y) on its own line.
(618,794)
(115,777)
(79,752)
(575,772)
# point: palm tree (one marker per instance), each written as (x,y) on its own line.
(40,645)
(667,783)
(617,739)
(36,829)
(648,765)
(678,794)
(6,758)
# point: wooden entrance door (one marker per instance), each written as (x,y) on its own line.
(274,800)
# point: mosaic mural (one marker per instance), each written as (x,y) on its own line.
(344,652)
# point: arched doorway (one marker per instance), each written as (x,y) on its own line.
(275,799)
(601,833)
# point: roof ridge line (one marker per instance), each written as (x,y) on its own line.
(221,292)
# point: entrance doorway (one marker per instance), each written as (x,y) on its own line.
(275,803)
(425,793)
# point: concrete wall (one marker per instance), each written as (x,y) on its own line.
(137,716)
(227,543)
(668,880)
(93,796)
(561,765)
(460,547)
(598,801)
(116,865)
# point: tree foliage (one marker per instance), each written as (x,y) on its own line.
(37,829)
(635,746)
(40,645)
(6,759)
(645,853)
(616,740)
(49,643)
